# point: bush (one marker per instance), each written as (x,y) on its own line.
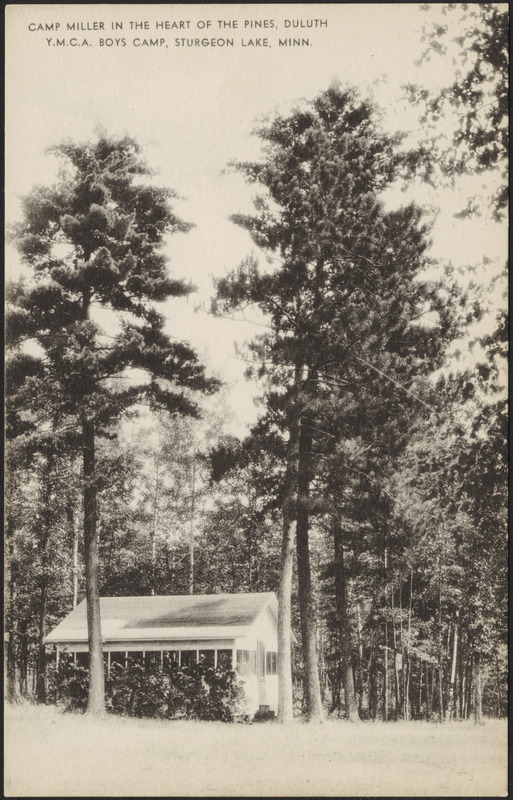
(172,692)
(133,692)
(215,694)
(69,684)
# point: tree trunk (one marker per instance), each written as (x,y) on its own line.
(397,684)
(498,708)
(343,623)
(478,703)
(335,675)
(441,715)
(44,535)
(96,697)
(452,704)
(363,698)
(420,706)
(285,708)
(440,651)
(155,518)
(385,649)
(461,677)
(402,665)
(191,528)
(469,685)
(11,617)
(41,650)
(311,684)
(284,616)
(74,569)
(407,666)
(385,676)
(429,690)
(23,657)
(397,688)
(373,680)
(12,691)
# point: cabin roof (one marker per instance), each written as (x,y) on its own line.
(177,616)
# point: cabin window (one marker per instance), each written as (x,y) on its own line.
(246,662)
(188,658)
(271,660)
(224,659)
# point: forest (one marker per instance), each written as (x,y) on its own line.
(371,493)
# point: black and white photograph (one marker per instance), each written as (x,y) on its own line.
(255,408)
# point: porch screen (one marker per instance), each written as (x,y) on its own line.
(208,657)
(117,657)
(170,657)
(188,658)
(152,660)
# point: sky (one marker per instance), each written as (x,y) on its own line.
(193,107)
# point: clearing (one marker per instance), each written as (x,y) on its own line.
(49,754)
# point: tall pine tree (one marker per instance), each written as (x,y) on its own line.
(344,304)
(94,241)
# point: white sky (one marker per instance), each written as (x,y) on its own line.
(192,109)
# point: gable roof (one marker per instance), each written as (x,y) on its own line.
(172,616)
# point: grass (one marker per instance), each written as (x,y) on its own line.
(49,754)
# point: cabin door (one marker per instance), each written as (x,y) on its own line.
(261,672)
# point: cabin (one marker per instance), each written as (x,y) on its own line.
(236,630)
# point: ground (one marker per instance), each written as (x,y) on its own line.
(50,754)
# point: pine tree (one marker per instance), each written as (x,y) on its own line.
(344,306)
(94,241)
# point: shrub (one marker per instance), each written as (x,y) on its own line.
(214,694)
(172,692)
(134,692)
(69,684)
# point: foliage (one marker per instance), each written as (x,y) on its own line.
(94,241)
(240,547)
(356,326)
(69,684)
(477,98)
(168,692)
(414,469)
(41,498)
